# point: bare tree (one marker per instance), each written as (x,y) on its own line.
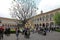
(23,9)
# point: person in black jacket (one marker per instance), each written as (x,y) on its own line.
(1,32)
(27,33)
(7,31)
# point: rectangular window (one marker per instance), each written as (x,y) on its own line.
(40,18)
(51,17)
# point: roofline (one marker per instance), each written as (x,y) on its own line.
(47,12)
(8,18)
(33,16)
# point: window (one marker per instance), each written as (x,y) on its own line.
(40,24)
(47,24)
(40,18)
(47,17)
(43,18)
(51,16)
(35,24)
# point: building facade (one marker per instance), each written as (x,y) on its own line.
(41,20)
(44,19)
(6,22)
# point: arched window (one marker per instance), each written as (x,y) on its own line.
(47,24)
(43,25)
(40,24)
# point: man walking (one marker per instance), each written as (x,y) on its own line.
(17,32)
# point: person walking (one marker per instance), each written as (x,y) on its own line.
(17,32)
(27,33)
(7,31)
(1,32)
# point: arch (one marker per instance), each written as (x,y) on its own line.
(35,25)
(43,24)
(40,24)
(47,24)
(51,24)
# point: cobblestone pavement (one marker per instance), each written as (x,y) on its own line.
(50,36)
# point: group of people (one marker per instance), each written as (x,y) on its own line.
(7,31)
(43,30)
(26,31)
(4,31)
(1,32)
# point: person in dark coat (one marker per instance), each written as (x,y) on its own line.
(1,32)
(27,33)
(7,31)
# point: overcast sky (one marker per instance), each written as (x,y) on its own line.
(45,5)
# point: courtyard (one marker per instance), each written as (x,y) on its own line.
(50,36)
